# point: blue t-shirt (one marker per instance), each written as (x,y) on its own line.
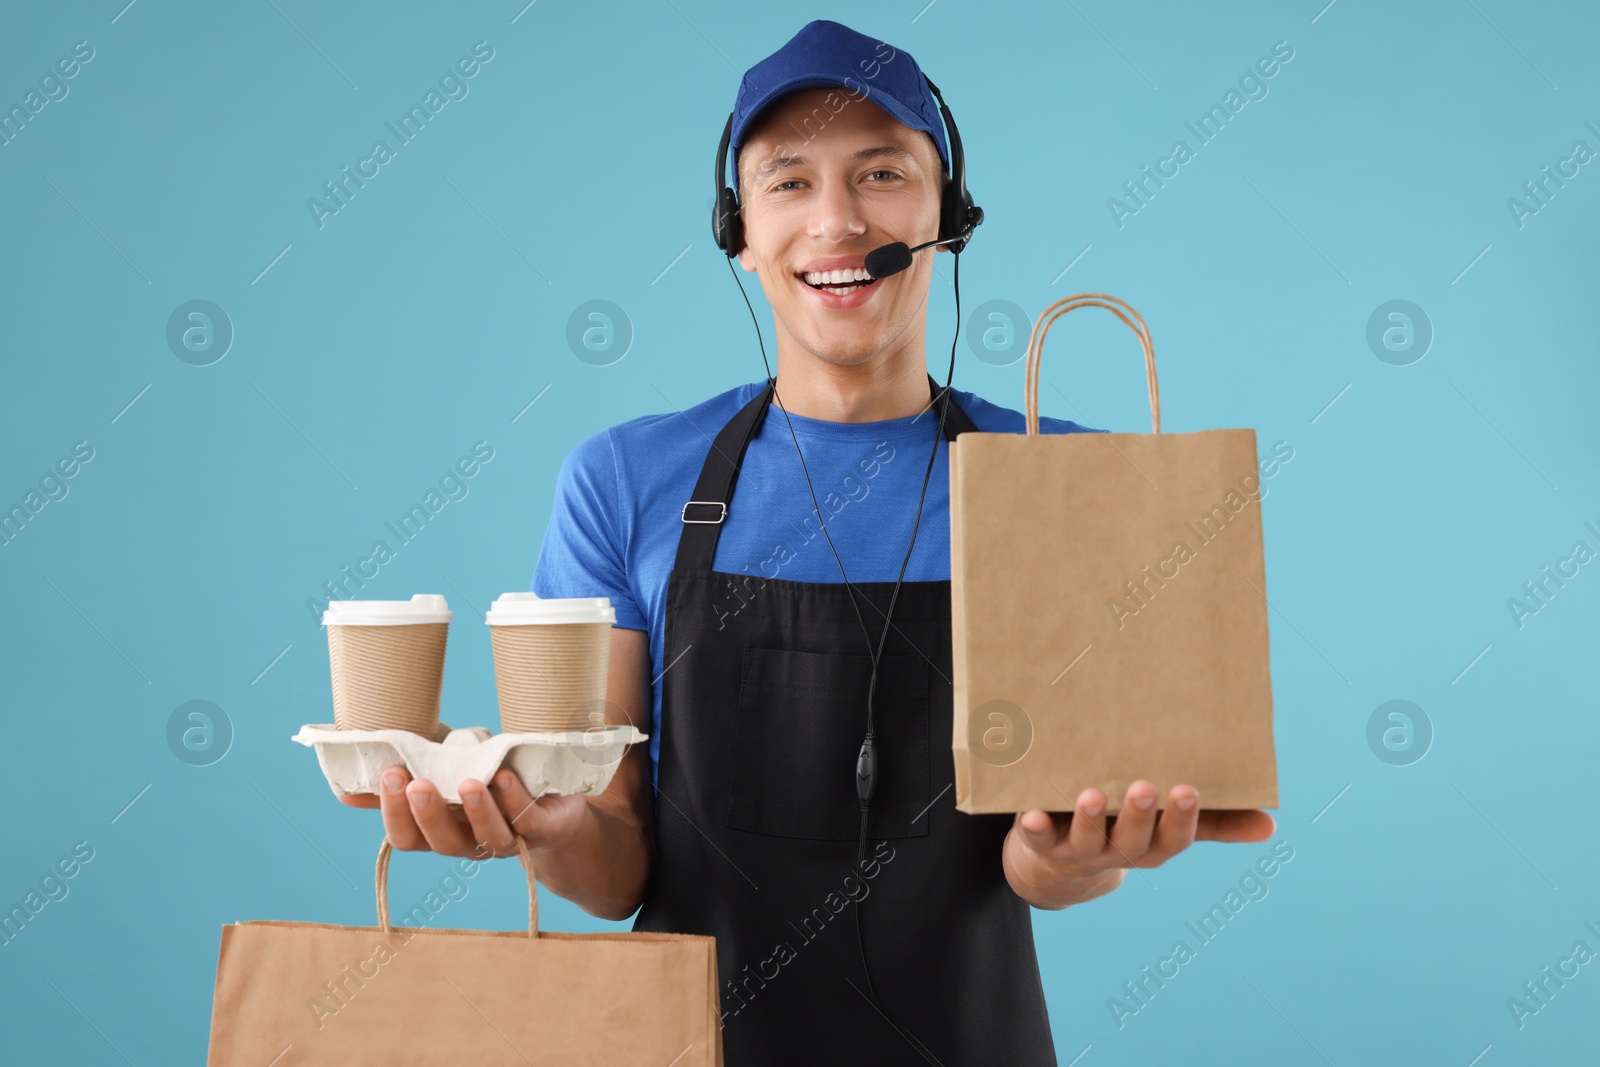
(617,516)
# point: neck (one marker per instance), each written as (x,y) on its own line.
(875,391)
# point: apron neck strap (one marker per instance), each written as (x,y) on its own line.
(704,512)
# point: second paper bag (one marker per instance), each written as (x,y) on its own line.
(402,995)
(1109,602)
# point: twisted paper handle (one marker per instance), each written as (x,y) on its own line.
(385,850)
(1050,314)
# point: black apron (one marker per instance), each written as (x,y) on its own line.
(757,818)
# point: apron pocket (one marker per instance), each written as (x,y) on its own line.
(802,716)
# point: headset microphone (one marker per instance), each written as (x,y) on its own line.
(896,257)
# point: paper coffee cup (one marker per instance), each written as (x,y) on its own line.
(387,662)
(550,660)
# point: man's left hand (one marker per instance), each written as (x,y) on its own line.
(1054,859)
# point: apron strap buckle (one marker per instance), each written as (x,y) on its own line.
(705,504)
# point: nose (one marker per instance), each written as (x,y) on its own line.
(837,212)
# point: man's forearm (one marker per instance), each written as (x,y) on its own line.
(603,867)
(1047,890)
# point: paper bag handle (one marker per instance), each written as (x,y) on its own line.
(1030,388)
(385,850)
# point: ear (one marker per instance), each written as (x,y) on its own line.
(746,259)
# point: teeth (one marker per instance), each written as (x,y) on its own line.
(837,277)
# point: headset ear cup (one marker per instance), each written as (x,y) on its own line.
(726,226)
(955,213)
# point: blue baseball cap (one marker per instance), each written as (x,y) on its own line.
(824,54)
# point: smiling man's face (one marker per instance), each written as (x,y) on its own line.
(825,178)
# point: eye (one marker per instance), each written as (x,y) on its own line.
(890,173)
(780,185)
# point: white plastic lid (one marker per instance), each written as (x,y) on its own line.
(421,608)
(529,609)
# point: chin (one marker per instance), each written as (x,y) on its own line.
(846,356)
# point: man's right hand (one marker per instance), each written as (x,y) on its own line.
(596,851)
(417,818)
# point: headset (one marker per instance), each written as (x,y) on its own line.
(958,217)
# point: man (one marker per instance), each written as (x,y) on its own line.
(738,645)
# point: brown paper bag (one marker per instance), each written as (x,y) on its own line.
(316,993)
(1109,609)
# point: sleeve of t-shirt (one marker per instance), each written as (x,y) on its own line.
(1049,425)
(583,553)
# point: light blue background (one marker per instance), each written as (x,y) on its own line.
(428,313)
